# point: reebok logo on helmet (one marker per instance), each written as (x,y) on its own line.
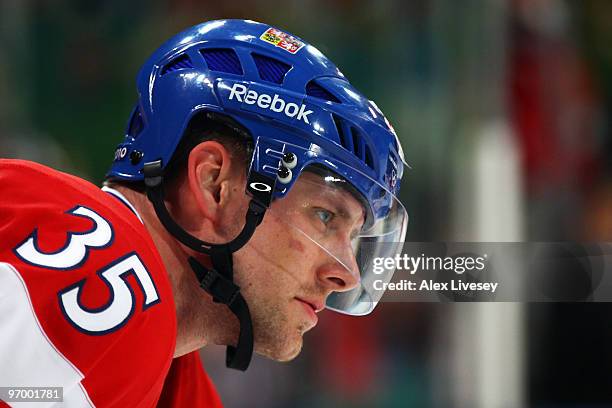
(265,101)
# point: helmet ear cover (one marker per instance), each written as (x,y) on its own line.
(202,127)
(205,126)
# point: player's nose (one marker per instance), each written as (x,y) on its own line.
(339,275)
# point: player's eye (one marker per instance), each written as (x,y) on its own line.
(324,215)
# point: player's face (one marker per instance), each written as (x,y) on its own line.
(298,255)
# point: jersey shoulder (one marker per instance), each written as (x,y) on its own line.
(89,287)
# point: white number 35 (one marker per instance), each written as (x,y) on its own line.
(120,306)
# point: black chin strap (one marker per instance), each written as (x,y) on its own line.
(218,280)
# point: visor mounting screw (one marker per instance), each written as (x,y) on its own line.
(136,156)
(289,160)
(284,175)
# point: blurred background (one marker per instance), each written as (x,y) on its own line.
(504,109)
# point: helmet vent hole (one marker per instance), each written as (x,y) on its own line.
(136,123)
(369,160)
(358,147)
(316,90)
(270,69)
(180,62)
(344,141)
(353,140)
(222,60)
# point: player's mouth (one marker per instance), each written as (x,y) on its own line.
(311,308)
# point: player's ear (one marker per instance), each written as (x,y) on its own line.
(208,171)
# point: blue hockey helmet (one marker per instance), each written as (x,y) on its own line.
(301,113)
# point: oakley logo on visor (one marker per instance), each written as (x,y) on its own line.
(265,101)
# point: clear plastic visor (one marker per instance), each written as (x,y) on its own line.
(337,238)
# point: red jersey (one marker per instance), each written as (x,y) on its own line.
(85,301)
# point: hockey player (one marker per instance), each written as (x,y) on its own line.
(253,188)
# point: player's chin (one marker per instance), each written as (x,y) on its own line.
(291,352)
(286,349)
